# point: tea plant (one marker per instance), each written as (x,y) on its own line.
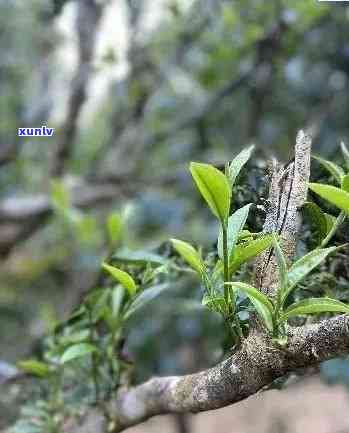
(84,362)
(236,245)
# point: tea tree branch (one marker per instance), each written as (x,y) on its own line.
(254,366)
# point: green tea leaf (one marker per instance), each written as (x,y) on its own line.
(144,298)
(345,153)
(246,235)
(236,223)
(122,277)
(238,162)
(77,351)
(248,250)
(260,301)
(97,301)
(335,170)
(314,306)
(214,303)
(37,368)
(336,196)
(112,313)
(189,254)
(214,187)
(140,258)
(330,221)
(75,337)
(282,266)
(318,219)
(264,313)
(217,272)
(252,292)
(345,183)
(302,267)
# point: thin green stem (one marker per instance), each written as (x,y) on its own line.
(340,219)
(225,262)
(278,303)
(113,371)
(229,302)
(276,324)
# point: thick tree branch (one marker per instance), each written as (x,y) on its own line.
(253,367)
(287,193)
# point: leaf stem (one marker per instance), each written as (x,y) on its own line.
(225,262)
(339,220)
(229,302)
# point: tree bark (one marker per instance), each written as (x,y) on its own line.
(253,367)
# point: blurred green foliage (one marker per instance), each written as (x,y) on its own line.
(180,100)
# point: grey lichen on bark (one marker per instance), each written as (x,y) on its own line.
(287,193)
(258,361)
